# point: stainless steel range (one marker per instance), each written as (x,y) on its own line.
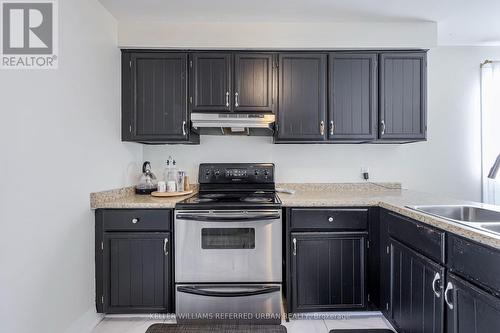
(228,262)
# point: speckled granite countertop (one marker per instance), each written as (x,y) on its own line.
(386,195)
(126,198)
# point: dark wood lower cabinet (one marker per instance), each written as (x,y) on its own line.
(328,271)
(416,291)
(136,272)
(470,309)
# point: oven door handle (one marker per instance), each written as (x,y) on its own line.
(204,292)
(249,218)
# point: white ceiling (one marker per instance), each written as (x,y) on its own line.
(460,22)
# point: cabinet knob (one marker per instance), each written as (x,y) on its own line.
(330,219)
(322,127)
(135,220)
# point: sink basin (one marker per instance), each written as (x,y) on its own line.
(493,227)
(469,214)
(476,217)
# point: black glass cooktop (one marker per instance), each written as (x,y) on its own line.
(213,200)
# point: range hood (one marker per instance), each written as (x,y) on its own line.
(233,123)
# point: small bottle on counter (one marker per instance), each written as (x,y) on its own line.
(180,180)
(171,175)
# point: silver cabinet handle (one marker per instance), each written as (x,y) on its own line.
(330,219)
(165,250)
(331,127)
(227,99)
(184,128)
(322,127)
(135,220)
(236,102)
(382,123)
(294,241)
(437,277)
(449,287)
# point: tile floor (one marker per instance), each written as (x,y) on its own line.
(310,324)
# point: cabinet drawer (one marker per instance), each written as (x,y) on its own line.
(329,219)
(425,240)
(478,263)
(137,219)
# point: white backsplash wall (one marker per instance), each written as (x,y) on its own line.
(448,163)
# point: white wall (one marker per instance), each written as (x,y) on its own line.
(271,35)
(448,163)
(60,140)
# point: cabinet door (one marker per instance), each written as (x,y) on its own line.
(417,301)
(470,309)
(253,82)
(210,82)
(136,269)
(158,106)
(302,97)
(328,271)
(353,96)
(403,96)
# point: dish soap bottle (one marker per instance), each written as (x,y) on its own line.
(170,175)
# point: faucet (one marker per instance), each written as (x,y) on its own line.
(494,169)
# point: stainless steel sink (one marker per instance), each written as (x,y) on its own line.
(468,214)
(476,217)
(493,227)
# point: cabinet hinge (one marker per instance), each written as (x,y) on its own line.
(275,64)
(387,306)
(368,297)
(191,63)
(130,64)
(102,246)
(387,250)
(102,299)
(191,99)
(367,244)
(130,128)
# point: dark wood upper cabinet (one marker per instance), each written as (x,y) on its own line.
(253,82)
(136,272)
(403,96)
(416,289)
(470,309)
(155,97)
(302,97)
(353,96)
(328,271)
(210,82)
(329,97)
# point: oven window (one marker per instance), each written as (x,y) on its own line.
(228,238)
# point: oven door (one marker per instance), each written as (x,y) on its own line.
(228,246)
(243,304)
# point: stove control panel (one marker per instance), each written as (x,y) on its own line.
(233,173)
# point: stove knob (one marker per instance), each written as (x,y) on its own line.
(207,172)
(256,172)
(217,172)
(266,173)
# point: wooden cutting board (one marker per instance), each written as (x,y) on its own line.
(170,194)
